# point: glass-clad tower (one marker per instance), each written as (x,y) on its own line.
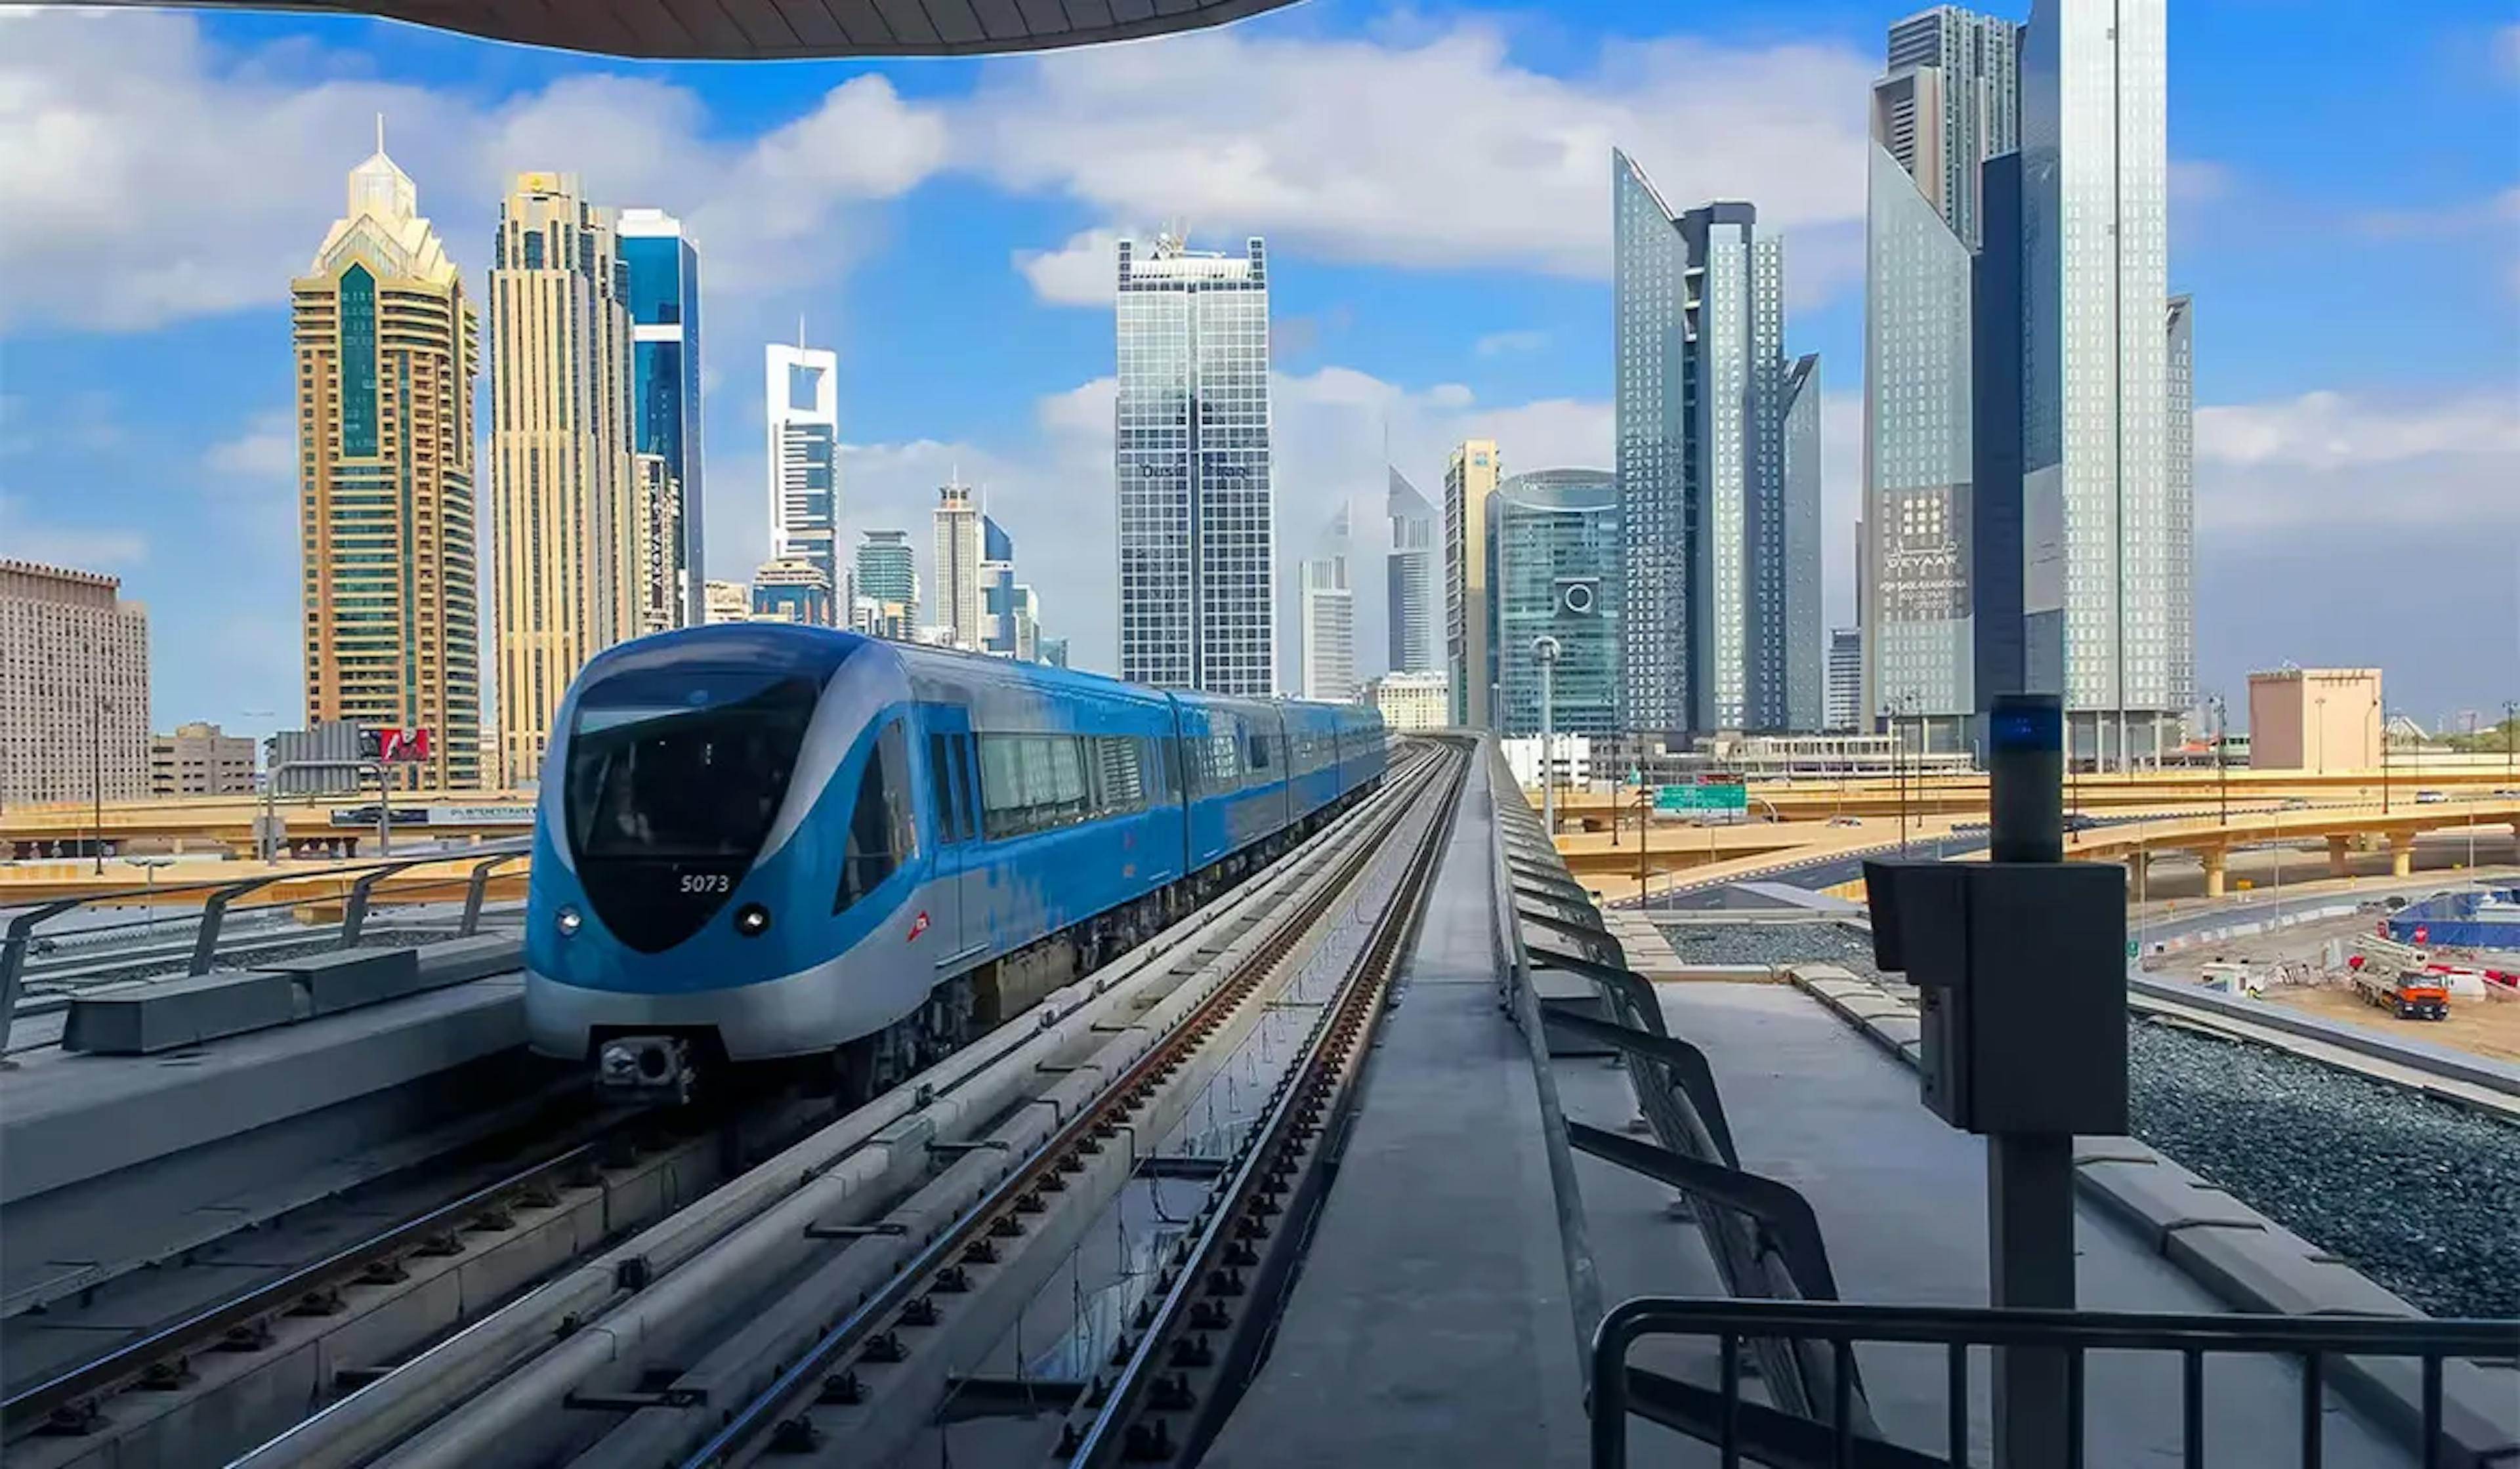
(1413,629)
(1951,99)
(664,273)
(1554,570)
(2101,587)
(1326,617)
(1701,384)
(1191,470)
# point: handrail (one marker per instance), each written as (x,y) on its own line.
(1521,1002)
(1741,1427)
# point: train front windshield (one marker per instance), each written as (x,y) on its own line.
(683,763)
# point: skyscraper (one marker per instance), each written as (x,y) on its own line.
(1197,509)
(1554,553)
(664,268)
(663,580)
(391,590)
(957,564)
(1701,391)
(998,609)
(1797,644)
(2098,515)
(1413,623)
(1470,657)
(565,533)
(1326,616)
(1845,680)
(1951,100)
(803,396)
(1028,615)
(73,687)
(2178,444)
(886,574)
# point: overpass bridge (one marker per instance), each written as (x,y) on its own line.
(230,824)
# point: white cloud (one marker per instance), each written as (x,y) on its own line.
(2507,51)
(1083,272)
(1366,151)
(101,109)
(2327,430)
(267,449)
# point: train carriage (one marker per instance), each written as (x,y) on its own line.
(758,841)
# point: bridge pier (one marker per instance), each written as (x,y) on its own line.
(2217,862)
(2338,847)
(2401,854)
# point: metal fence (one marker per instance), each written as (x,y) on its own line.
(1742,1429)
(355,886)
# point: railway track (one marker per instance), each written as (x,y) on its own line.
(571,1358)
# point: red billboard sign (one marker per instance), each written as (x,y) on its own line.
(402,747)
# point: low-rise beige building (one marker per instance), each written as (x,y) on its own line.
(73,687)
(1412,701)
(200,759)
(2314,719)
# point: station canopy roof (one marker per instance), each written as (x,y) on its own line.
(791,30)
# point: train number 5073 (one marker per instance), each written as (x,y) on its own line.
(707,882)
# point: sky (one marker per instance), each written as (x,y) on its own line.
(1433,181)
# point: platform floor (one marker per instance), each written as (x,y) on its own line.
(1430,1326)
(1901,1203)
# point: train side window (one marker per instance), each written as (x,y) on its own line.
(966,820)
(1118,786)
(881,835)
(945,774)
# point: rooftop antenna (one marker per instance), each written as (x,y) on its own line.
(380,132)
(800,330)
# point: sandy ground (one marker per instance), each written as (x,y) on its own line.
(2488,1027)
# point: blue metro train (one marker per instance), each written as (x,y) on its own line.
(760,841)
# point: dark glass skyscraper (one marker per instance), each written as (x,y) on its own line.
(1554,557)
(664,275)
(1708,613)
(1197,510)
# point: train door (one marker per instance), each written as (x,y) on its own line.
(953,790)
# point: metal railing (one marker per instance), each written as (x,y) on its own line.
(219,903)
(1763,1235)
(1743,1429)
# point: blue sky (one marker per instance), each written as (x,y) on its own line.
(1434,181)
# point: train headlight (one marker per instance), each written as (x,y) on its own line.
(752,921)
(567,921)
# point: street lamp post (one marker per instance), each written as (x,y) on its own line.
(96,773)
(149,867)
(2384,761)
(1544,652)
(2221,766)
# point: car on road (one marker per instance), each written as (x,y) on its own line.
(1846,821)
(2429,798)
(2075,821)
(2295,803)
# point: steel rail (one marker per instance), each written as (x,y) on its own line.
(74,1400)
(1281,1155)
(751,1430)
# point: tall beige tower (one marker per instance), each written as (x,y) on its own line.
(387,347)
(566,528)
(1470,659)
(957,564)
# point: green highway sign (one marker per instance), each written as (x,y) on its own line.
(1701,798)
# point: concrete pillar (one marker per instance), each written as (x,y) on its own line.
(2337,848)
(2216,860)
(2135,862)
(2401,854)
